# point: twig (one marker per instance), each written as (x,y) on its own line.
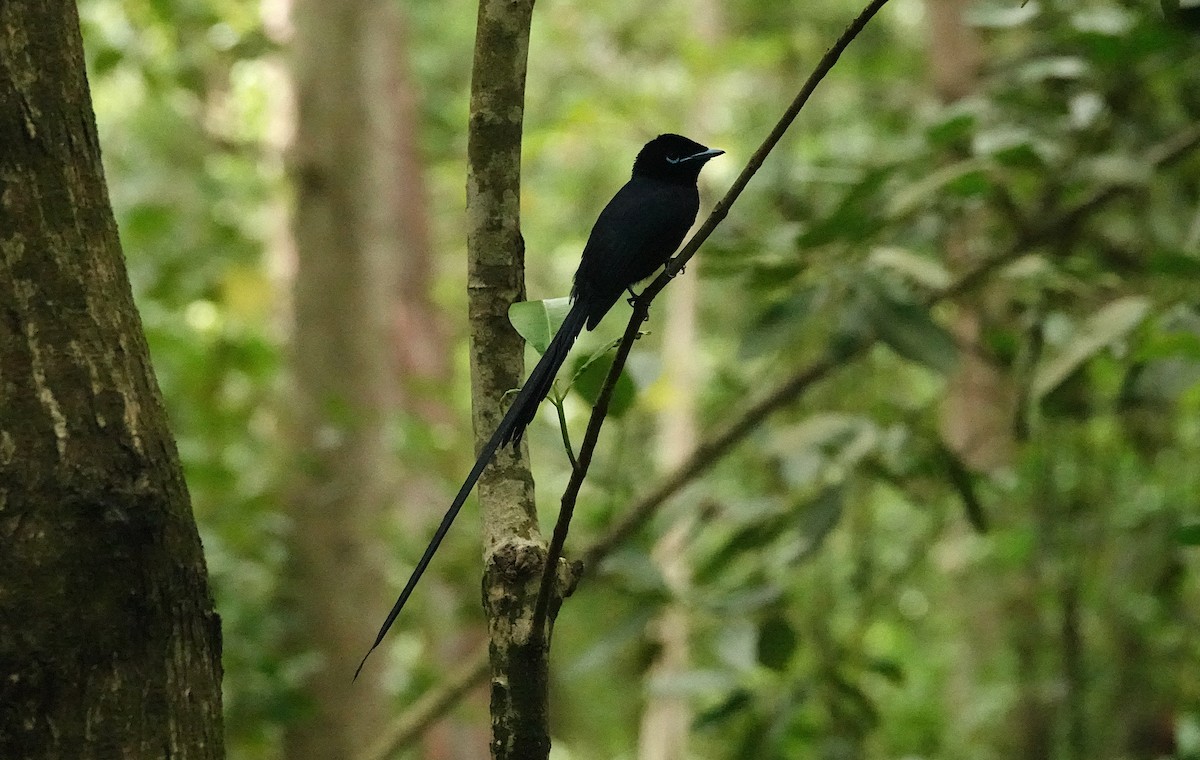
(430,707)
(566,432)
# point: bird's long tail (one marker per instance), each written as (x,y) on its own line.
(510,429)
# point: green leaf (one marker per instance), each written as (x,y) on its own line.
(856,216)
(537,321)
(1108,21)
(922,270)
(955,125)
(1119,170)
(820,517)
(963,179)
(1189,534)
(1111,323)
(777,641)
(889,669)
(1053,67)
(1013,146)
(907,327)
(738,701)
(777,323)
(589,379)
(1174,264)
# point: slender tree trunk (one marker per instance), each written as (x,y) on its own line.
(514,551)
(346,237)
(109,645)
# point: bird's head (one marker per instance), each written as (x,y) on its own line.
(673,158)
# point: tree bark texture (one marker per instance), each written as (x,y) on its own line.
(109,645)
(514,551)
(347,233)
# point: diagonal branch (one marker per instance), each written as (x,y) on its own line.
(431,706)
(641,304)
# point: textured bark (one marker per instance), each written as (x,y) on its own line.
(342,369)
(109,645)
(514,551)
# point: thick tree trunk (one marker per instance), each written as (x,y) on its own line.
(343,369)
(109,645)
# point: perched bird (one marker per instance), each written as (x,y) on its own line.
(634,235)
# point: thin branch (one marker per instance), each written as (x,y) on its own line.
(557,401)
(641,304)
(431,706)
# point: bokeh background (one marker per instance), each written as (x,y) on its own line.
(976,539)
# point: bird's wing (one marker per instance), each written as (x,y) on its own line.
(634,235)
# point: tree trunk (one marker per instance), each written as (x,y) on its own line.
(346,236)
(109,645)
(514,551)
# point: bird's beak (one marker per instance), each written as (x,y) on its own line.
(704,155)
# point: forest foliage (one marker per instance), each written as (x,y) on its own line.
(862,583)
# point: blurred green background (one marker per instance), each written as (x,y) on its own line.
(976,540)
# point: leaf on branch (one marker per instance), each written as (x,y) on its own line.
(921,270)
(907,327)
(956,123)
(856,216)
(589,377)
(1107,326)
(1189,534)
(776,325)
(1015,147)
(962,179)
(1180,264)
(538,321)
(777,642)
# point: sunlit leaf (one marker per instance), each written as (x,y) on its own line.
(1065,67)
(922,270)
(1110,324)
(964,179)
(538,321)
(1013,146)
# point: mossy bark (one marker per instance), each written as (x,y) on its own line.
(514,550)
(109,645)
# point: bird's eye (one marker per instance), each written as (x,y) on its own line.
(671,160)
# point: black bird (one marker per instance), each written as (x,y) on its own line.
(634,235)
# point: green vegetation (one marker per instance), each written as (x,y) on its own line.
(976,538)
